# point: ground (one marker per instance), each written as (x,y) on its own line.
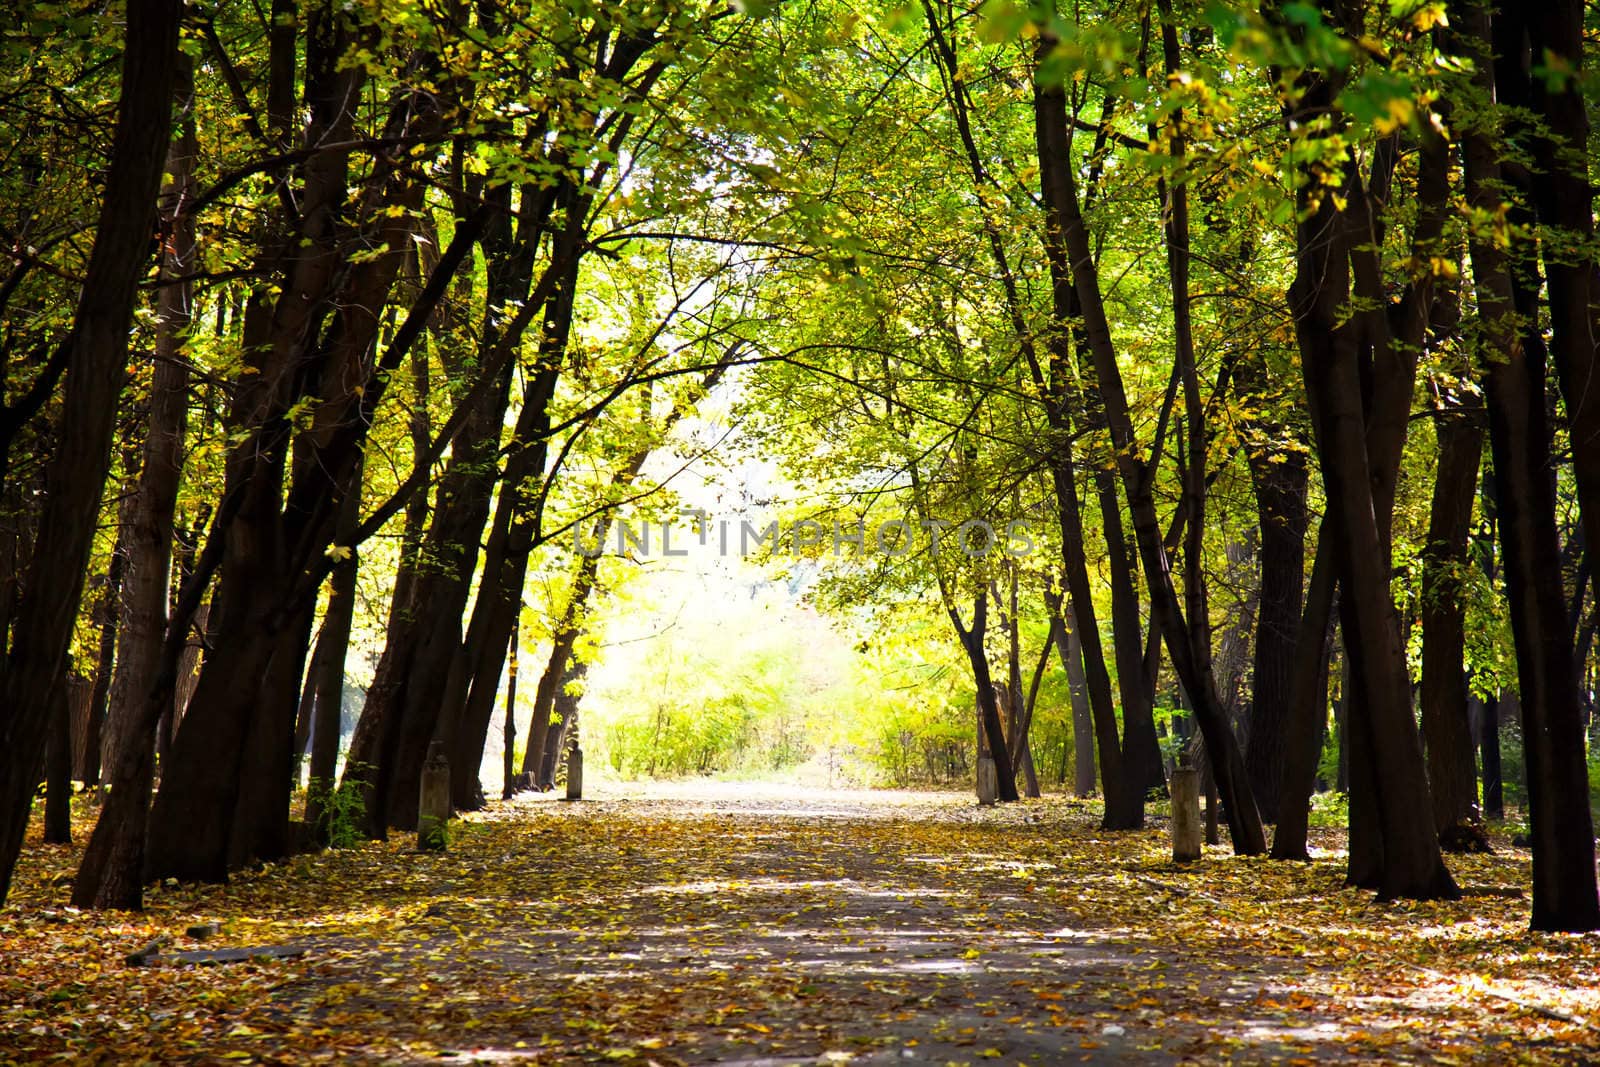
(740,924)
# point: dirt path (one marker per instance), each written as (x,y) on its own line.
(724,924)
(738,925)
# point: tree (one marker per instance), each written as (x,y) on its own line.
(96,352)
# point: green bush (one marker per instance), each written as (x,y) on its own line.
(343,811)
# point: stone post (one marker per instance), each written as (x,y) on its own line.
(988,781)
(1186,824)
(575,774)
(433,801)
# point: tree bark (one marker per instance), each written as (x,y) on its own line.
(1307,707)
(988,707)
(474,678)
(561,646)
(402,706)
(1279,479)
(1359,363)
(1197,607)
(225,798)
(1565,896)
(1446,725)
(58,773)
(1494,804)
(508,764)
(146,557)
(97,356)
(1070,650)
(1123,790)
(1141,750)
(329,667)
(94,728)
(1244,822)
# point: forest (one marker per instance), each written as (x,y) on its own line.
(406,404)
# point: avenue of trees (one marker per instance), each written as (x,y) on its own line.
(1263,336)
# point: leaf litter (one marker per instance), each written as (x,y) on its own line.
(721,923)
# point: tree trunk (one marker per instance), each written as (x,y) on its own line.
(1123,791)
(262,620)
(308,705)
(567,699)
(1359,365)
(508,764)
(988,707)
(1446,725)
(1307,707)
(479,661)
(146,553)
(1564,887)
(1070,650)
(1175,218)
(58,773)
(402,704)
(1411,865)
(1279,478)
(328,666)
(94,730)
(565,638)
(1244,821)
(1141,750)
(424,632)
(97,356)
(1494,804)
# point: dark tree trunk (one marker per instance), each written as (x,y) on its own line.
(473,681)
(1279,478)
(1124,807)
(1565,896)
(1410,862)
(1307,707)
(422,677)
(58,773)
(1244,821)
(1175,218)
(97,356)
(424,632)
(1359,365)
(508,764)
(1141,750)
(1494,804)
(988,706)
(308,705)
(566,711)
(1070,649)
(401,710)
(1446,725)
(262,620)
(111,874)
(145,586)
(94,729)
(1530,41)
(208,813)
(328,665)
(1564,891)
(561,646)
(1123,791)
(469,696)
(1022,747)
